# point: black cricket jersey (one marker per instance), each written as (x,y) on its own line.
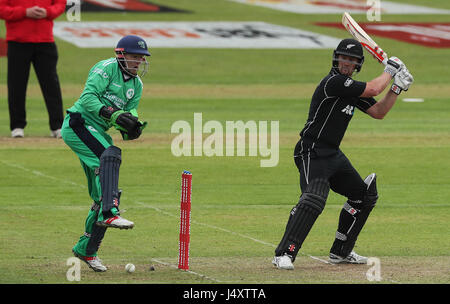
(332,107)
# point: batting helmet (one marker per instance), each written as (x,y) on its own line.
(134,45)
(349,47)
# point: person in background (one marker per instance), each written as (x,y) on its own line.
(29,35)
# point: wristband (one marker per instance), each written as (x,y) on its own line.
(106,112)
(396,89)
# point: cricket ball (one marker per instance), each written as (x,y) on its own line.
(130,268)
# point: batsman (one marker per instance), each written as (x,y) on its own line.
(321,163)
(110,99)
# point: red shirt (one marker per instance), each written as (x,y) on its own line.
(20,28)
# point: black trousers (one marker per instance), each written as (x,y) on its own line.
(44,57)
(333,166)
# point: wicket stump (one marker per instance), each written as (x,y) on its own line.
(185,220)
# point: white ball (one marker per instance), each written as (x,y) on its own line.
(130,268)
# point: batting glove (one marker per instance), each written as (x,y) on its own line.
(402,81)
(393,66)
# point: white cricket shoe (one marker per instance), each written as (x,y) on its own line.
(56,133)
(116,222)
(17,132)
(352,258)
(283,262)
(93,262)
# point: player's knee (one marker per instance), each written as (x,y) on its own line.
(112,152)
(316,195)
(366,199)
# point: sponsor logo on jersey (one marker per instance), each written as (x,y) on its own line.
(117,101)
(130,93)
(348,82)
(348,110)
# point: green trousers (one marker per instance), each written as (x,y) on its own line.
(88,144)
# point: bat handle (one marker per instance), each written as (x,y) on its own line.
(384,62)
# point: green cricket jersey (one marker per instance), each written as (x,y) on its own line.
(106,86)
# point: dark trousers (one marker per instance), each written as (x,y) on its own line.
(334,167)
(44,57)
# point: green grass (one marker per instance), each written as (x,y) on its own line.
(239,209)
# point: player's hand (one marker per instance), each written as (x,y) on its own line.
(41,12)
(128,124)
(393,66)
(135,133)
(124,121)
(402,81)
(36,12)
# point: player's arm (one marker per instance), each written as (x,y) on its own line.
(96,85)
(382,107)
(11,13)
(376,86)
(55,9)
(402,81)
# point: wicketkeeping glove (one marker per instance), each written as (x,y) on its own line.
(135,133)
(128,124)
(124,121)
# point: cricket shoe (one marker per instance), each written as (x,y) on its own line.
(116,222)
(56,133)
(283,262)
(93,262)
(352,258)
(17,132)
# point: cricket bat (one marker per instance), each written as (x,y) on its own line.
(359,34)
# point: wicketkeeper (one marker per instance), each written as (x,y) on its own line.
(321,163)
(110,99)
